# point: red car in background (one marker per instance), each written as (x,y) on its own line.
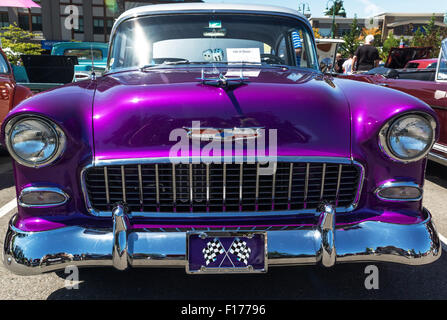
(11,93)
(429,85)
(422,64)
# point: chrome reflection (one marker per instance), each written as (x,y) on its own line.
(29,253)
(394,184)
(29,190)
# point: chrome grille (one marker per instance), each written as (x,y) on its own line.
(202,188)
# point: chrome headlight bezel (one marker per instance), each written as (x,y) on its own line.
(385,131)
(54,128)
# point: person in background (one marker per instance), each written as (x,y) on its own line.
(347,65)
(298,46)
(338,67)
(366,57)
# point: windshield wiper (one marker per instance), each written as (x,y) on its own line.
(184,61)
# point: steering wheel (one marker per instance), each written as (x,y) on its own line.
(271,59)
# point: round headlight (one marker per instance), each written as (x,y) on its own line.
(408,138)
(34,142)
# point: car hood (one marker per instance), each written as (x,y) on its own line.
(135,112)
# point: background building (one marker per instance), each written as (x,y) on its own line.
(402,24)
(406,24)
(87,20)
(343,25)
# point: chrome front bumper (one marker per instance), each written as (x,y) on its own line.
(29,253)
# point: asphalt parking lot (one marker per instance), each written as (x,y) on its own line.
(306,282)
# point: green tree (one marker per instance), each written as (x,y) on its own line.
(390,42)
(16,41)
(351,39)
(337,5)
(418,38)
(430,36)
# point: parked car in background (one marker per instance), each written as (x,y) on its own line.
(214,143)
(43,72)
(429,85)
(91,56)
(11,93)
(326,51)
(422,64)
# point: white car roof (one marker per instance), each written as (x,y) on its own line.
(179,7)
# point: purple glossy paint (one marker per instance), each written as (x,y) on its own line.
(130,115)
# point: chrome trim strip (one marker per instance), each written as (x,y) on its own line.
(323,176)
(157,187)
(306,184)
(123,183)
(98,162)
(174,187)
(41,189)
(440,147)
(241,176)
(140,187)
(224,185)
(106,182)
(337,192)
(308,160)
(191,199)
(437,158)
(289,193)
(275,165)
(207,186)
(257,187)
(391,184)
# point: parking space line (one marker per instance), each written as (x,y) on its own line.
(8,207)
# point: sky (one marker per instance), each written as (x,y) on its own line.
(363,8)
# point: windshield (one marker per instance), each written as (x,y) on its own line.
(212,39)
(442,66)
(84,54)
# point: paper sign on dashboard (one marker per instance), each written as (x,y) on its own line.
(252,55)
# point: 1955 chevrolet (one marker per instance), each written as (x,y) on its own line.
(214,143)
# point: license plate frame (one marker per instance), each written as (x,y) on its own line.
(255,242)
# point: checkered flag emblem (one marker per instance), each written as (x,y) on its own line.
(212,250)
(240,249)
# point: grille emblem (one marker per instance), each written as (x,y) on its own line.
(224,134)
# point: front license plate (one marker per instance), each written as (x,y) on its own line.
(226,252)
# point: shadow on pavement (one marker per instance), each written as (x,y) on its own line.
(436,173)
(305,282)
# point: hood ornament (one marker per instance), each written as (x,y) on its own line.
(222,81)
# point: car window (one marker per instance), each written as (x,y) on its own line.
(214,38)
(442,66)
(84,54)
(3,65)
(432,65)
(412,65)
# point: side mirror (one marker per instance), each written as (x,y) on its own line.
(326,65)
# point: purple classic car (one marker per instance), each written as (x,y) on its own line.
(214,143)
